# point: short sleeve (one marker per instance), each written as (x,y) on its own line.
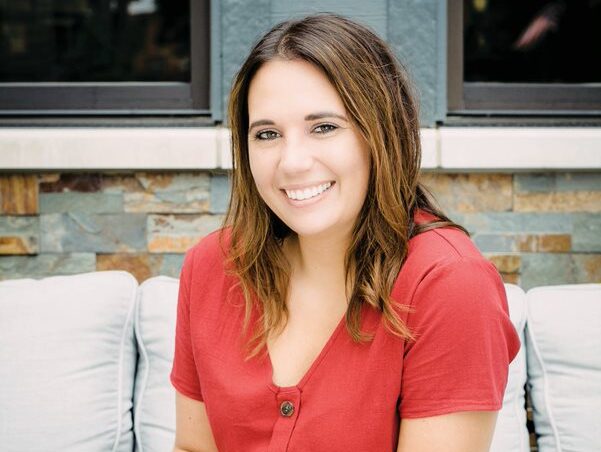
(184,375)
(464,341)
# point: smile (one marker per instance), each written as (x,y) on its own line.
(308,193)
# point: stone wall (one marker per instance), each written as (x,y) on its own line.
(71,223)
(537,228)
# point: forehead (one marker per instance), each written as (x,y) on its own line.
(285,87)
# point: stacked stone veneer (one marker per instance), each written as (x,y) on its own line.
(139,222)
(537,228)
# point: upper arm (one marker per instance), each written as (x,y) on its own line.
(192,429)
(468,431)
(464,342)
(455,372)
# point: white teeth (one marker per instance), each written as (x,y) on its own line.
(308,192)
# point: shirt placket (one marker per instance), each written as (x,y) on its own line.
(288,402)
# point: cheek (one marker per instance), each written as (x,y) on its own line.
(255,167)
(260,173)
(357,164)
(362,172)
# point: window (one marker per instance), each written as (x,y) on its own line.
(531,57)
(104,57)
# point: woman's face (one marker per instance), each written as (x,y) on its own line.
(309,163)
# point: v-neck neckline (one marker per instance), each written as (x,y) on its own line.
(314,365)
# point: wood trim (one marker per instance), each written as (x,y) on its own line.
(455,55)
(200,35)
(122,98)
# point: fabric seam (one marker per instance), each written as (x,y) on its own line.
(121,366)
(144,354)
(546,397)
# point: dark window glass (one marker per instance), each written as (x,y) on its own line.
(94,40)
(532,41)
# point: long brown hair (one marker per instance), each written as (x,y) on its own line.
(378,97)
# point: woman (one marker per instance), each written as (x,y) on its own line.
(338,310)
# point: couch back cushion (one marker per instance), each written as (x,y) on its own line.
(511,433)
(68,356)
(154,397)
(564,366)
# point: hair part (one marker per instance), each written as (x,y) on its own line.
(365,73)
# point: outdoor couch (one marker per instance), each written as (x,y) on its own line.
(85,361)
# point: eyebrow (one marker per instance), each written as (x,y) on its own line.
(310,117)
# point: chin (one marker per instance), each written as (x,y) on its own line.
(313,228)
(304,230)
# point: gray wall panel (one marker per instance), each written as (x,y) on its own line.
(414,32)
(413,28)
(242,23)
(371,13)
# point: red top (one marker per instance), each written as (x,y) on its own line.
(353,395)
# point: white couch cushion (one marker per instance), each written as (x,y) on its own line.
(511,433)
(564,366)
(154,397)
(67,355)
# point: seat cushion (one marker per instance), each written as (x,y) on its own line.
(68,356)
(154,397)
(564,366)
(511,433)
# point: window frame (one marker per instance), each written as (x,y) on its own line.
(51,99)
(509,99)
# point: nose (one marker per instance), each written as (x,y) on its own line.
(295,155)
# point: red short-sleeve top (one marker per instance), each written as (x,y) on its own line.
(353,396)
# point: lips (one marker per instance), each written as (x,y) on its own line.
(307,192)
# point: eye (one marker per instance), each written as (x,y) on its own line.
(266,135)
(325,128)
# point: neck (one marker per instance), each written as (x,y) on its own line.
(319,259)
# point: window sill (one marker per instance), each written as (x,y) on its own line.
(519,148)
(194,148)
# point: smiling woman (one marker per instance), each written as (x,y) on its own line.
(310,164)
(337,309)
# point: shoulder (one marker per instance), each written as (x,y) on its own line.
(444,265)
(210,247)
(442,248)
(451,288)
(208,255)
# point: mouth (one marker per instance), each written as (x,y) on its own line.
(308,193)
